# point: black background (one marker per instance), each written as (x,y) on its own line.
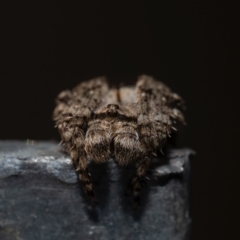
(49,46)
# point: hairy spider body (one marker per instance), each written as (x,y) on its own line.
(128,124)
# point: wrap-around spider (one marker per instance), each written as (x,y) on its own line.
(129,124)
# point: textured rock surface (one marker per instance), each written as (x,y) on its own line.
(41,198)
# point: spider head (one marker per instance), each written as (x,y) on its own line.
(112,109)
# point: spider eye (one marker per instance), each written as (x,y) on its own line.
(112,106)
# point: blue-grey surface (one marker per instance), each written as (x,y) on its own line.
(41,198)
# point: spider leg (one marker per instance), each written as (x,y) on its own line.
(139,177)
(84,175)
(79,157)
(155,119)
(72,114)
(153,125)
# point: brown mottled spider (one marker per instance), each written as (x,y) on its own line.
(129,124)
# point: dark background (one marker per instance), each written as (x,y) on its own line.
(49,46)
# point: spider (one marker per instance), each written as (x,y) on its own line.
(128,124)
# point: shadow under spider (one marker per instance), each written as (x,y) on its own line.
(102,183)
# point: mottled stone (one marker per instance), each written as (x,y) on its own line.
(41,198)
